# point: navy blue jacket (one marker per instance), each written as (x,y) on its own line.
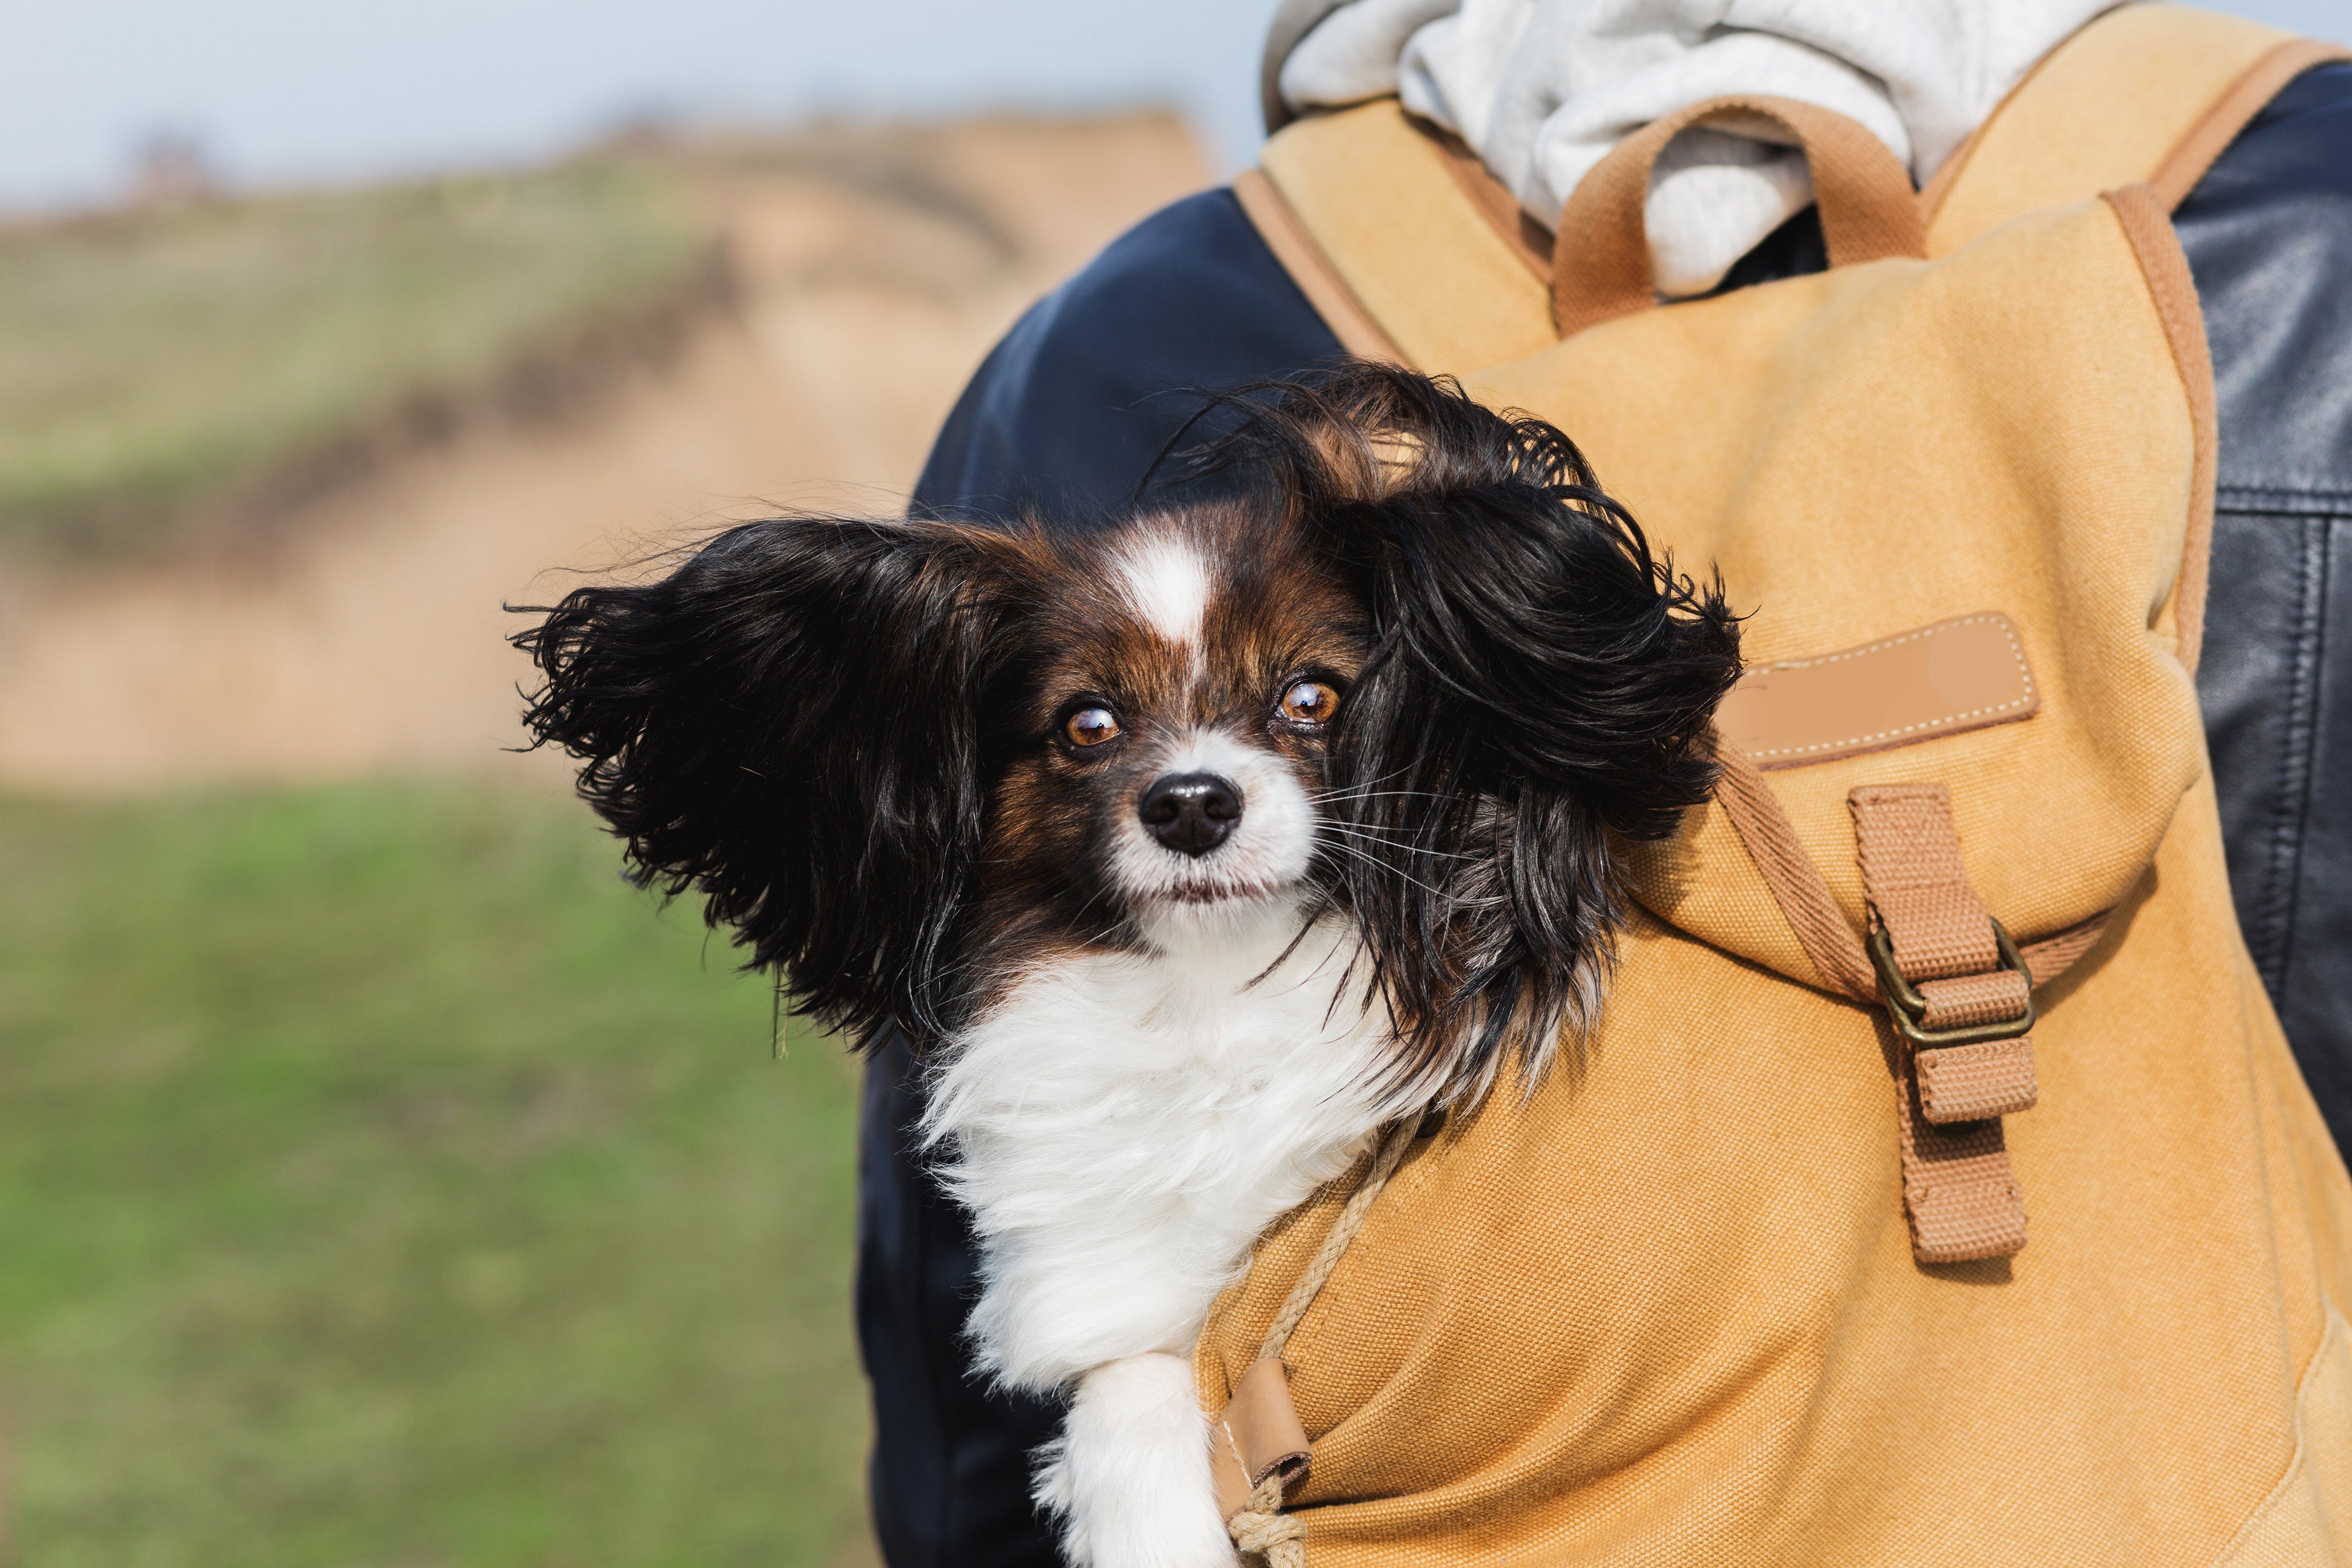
(1071,408)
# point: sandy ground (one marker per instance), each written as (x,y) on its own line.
(373,641)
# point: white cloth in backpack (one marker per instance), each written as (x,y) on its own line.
(1542,89)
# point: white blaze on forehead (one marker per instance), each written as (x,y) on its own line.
(1167,582)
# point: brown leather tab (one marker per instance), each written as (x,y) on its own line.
(1956,675)
(1969,1083)
(1959,1191)
(1259,1435)
(1225,1470)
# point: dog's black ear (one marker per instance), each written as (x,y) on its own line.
(1541,680)
(790,722)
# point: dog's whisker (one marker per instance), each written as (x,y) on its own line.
(1375,795)
(1390,836)
(1359,827)
(1397,772)
(1407,849)
(1375,860)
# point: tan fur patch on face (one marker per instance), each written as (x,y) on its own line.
(1197,619)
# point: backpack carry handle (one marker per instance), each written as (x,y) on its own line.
(1600,262)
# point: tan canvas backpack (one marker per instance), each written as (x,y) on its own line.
(1751,1282)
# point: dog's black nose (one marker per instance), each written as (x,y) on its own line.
(1191,812)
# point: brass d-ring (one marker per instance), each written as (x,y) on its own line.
(1906,1007)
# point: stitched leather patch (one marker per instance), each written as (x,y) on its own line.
(1956,675)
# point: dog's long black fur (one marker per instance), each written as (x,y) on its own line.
(790,723)
(1541,680)
(806,720)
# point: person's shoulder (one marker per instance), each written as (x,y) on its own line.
(2268,234)
(1193,285)
(2299,145)
(1084,391)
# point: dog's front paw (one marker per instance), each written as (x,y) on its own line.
(1129,1475)
(1053,1490)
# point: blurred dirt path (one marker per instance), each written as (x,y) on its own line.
(372,641)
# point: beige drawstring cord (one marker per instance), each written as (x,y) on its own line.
(1262,1528)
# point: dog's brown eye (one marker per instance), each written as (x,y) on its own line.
(1090,726)
(1309,702)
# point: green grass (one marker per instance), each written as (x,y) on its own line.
(152,362)
(381,1181)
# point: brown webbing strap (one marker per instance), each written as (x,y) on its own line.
(1958,1189)
(1262,1445)
(1810,909)
(1796,883)
(2206,141)
(1911,872)
(1959,1192)
(1311,269)
(2054,955)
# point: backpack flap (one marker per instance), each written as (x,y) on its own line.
(2000,461)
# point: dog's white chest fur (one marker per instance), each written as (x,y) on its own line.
(1123,1128)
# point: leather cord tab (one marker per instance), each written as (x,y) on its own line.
(1257,1438)
(1959,1190)
(1259,1449)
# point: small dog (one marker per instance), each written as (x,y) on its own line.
(1198,845)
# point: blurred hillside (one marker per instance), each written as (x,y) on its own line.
(390,1182)
(267,467)
(188,369)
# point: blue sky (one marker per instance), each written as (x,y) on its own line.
(306,90)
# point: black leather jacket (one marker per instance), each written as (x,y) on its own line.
(1070,409)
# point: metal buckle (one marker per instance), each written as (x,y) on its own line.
(1906,1007)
